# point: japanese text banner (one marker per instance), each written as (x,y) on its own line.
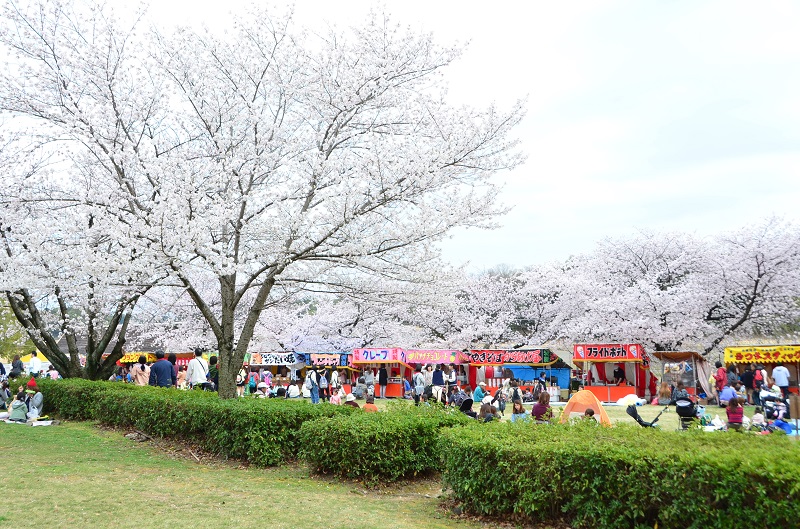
(763,354)
(432,356)
(503,356)
(610,352)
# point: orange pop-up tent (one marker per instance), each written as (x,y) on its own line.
(582,401)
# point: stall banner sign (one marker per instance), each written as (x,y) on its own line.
(132,358)
(329,360)
(272,359)
(769,354)
(432,356)
(504,356)
(379,355)
(609,352)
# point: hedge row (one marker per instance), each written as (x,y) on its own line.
(624,476)
(398,444)
(261,431)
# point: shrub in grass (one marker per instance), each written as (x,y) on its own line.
(74,398)
(261,431)
(624,476)
(377,447)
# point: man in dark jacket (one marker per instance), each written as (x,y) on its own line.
(161,372)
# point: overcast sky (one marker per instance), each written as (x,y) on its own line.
(668,115)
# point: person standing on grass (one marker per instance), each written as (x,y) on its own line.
(334,382)
(418,381)
(428,375)
(369,380)
(383,381)
(173,359)
(140,372)
(438,383)
(720,377)
(197,372)
(747,382)
(213,371)
(161,372)
(781,376)
(35,365)
(311,376)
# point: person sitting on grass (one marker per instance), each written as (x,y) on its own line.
(589,414)
(664,394)
(337,397)
(350,400)
(726,395)
(488,413)
(758,417)
(19,409)
(542,412)
(518,412)
(735,413)
(679,393)
(370,405)
(5,394)
(741,392)
(34,400)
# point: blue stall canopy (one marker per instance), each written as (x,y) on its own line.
(529,373)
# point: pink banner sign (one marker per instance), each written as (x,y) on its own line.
(378,355)
(431,356)
(608,352)
(325,359)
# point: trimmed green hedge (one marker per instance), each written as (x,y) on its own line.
(261,431)
(624,476)
(378,447)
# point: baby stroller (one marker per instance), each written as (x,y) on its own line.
(687,411)
(633,412)
(466,408)
(775,408)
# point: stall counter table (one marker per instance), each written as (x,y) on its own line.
(611,393)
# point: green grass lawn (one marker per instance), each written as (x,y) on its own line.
(76,475)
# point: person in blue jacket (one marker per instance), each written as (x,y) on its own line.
(480,392)
(161,372)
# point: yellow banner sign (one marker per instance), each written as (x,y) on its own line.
(764,354)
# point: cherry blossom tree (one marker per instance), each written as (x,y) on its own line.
(673,291)
(260,157)
(69,286)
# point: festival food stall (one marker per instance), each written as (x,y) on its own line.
(600,360)
(133,357)
(423,357)
(335,361)
(486,365)
(769,356)
(393,359)
(280,364)
(688,367)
